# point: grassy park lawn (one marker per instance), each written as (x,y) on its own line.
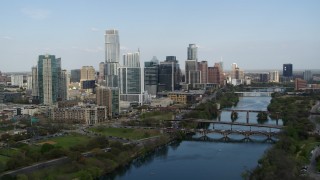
(157,115)
(67,141)
(128,133)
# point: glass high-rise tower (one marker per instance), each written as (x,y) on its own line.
(49,71)
(112,56)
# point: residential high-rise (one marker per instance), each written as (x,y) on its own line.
(87,80)
(112,56)
(101,71)
(192,52)
(87,73)
(75,75)
(169,74)
(104,98)
(151,69)
(29,82)
(35,87)
(131,85)
(192,72)
(17,80)
(287,70)
(215,74)
(274,76)
(203,68)
(49,70)
(63,86)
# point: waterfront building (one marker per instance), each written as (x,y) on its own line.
(112,57)
(274,76)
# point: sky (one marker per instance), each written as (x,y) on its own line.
(255,34)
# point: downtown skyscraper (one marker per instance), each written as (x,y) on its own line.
(112,56)
(49,81)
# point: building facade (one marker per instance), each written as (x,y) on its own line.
(108,97)
(17,80)
(274,76)
(151,69)
(75,75)
(112,57)
(203,68)
(169,74)
(49,70)
(287,70)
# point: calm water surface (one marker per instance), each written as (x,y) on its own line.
(196,159)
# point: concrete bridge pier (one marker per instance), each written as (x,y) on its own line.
(247,116)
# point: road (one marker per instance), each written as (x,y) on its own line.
(312,171)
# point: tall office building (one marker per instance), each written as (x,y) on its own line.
(307,75)
(131,85)
(274,76)
(287,70)
(169,74)
(48,72)
(192,52)
(151,69)
(193,75)
(203,68)
(112,56)
(75,75)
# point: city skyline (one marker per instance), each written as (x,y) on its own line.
(255,34)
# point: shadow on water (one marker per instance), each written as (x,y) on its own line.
(141,161)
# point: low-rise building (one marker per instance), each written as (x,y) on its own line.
(80,114)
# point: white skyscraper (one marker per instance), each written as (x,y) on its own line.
(112,53)
(274,76)
(17,80)
(192,52)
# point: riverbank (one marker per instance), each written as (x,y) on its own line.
(291,153)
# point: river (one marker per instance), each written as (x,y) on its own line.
(198,159)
